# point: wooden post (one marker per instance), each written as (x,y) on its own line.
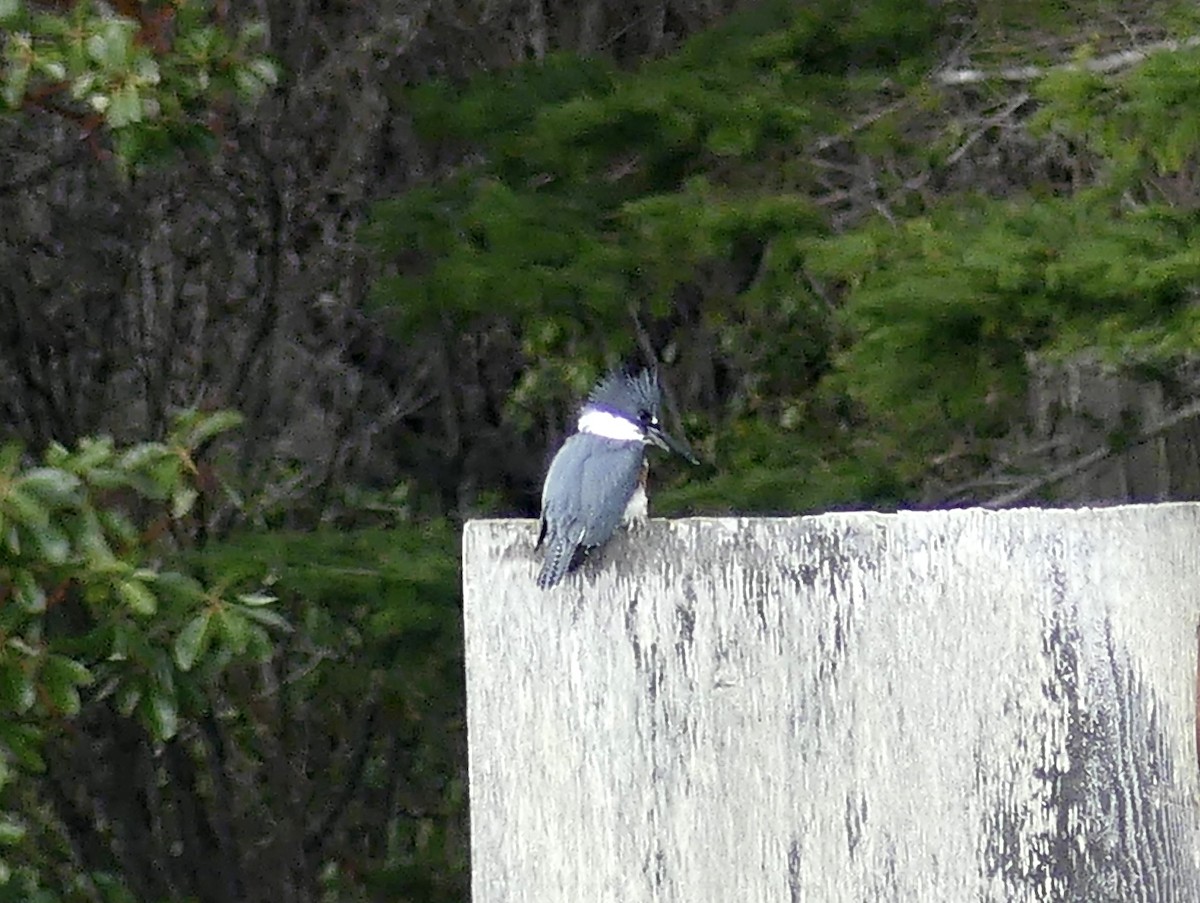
(944,706)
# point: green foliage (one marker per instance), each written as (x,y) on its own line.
(602,190)
(500,105)
(383,607)
(1143,121)
(671,195)
(784,467)
(470,229)
(154,84)
(604,200)
(86,610)
(945,309)
(610,198)
(364,627)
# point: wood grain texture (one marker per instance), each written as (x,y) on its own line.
(959,706)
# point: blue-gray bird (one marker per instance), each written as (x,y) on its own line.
(597,481)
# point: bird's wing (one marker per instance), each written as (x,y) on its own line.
(588,486)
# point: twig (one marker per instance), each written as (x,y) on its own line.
(858,125)
(921,179)
(988,124)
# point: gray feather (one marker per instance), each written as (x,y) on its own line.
(587,488)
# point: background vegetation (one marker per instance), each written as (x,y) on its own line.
(888,252)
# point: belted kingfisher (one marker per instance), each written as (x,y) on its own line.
(597,480)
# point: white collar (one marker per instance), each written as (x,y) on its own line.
(598,422)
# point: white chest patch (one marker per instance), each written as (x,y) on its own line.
(638,508)
(609,426)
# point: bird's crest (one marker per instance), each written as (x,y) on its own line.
(629,392)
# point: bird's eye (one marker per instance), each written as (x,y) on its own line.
(648,419)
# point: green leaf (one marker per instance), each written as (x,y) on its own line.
(182,500)
(257,599)
(194,428)
(147,71)
(118,526)
(265,70)
(162,715)
(142,456)
(179,587)
(16,80)
(52,543)
(58,680)
(65,698)
(10,457)
(79,673)
(17,692)
(165,474)
(135,594)
(92,541)
(268,618)
(123,638)
(233,629)
(21,645)
(112,45)
(125,107)
(162,671)
(12,831)
(29,593)
(51,485)
(52,69)
(9,9)
(249,85)
(25,509)
(192,640)
(23,741)
(92,453)
(128,697)
(731,139)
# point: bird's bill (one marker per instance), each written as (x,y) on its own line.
(670,444)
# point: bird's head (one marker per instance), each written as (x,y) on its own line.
(625,405)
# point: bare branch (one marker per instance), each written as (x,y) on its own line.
(827,141)
(1091,459)
(1112,62)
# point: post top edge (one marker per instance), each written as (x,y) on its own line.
(866,515)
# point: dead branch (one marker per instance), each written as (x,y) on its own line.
(1112,62)
(1091,459)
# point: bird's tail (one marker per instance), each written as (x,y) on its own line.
(560,552)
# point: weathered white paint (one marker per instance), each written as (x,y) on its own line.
(949,706)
